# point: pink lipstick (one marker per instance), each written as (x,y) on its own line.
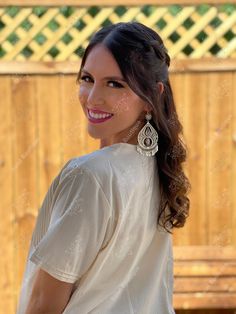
(97,116)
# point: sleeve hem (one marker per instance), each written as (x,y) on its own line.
(58,274)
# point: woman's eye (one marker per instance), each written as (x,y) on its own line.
(88,79)
(83,78)
(116,84)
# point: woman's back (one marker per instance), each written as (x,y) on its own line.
(118,258)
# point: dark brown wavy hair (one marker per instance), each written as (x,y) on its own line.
(143,60)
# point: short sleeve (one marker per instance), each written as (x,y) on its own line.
(44,213)
(80,215)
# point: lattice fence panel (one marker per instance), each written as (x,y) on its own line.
(62,33)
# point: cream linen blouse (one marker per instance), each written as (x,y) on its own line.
(97,228)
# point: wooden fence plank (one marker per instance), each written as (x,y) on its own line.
(199,268)
(219,152)
(233,158)
(204,252)
(49,127)
(203,301)
(206,284)
(178,81)
(71,67)
(7,236)
(195,89)
(73,126)
(24,156)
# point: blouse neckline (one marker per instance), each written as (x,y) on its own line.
(123,144)
(133,146)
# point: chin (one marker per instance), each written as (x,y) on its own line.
(94,134)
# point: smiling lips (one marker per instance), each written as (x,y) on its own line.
(98,111)
(97,116)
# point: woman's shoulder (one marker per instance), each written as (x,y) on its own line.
(96,163)
(110,161)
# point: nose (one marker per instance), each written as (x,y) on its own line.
(95,96)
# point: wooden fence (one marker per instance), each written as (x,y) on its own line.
(42,126)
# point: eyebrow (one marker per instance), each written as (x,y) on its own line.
(107,77)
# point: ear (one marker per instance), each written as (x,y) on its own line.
(160,86)
(147,108)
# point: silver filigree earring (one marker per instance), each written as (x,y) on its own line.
(147,139)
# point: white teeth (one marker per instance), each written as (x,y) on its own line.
(99,115)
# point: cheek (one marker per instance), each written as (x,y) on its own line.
(83,95)
(122,104)
(128,105)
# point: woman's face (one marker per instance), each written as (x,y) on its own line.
(103,90)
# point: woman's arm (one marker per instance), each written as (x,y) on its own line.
(49,295)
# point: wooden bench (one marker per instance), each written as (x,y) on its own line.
(204,277)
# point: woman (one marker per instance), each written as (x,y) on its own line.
(102,242)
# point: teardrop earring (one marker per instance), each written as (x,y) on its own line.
(147,139)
